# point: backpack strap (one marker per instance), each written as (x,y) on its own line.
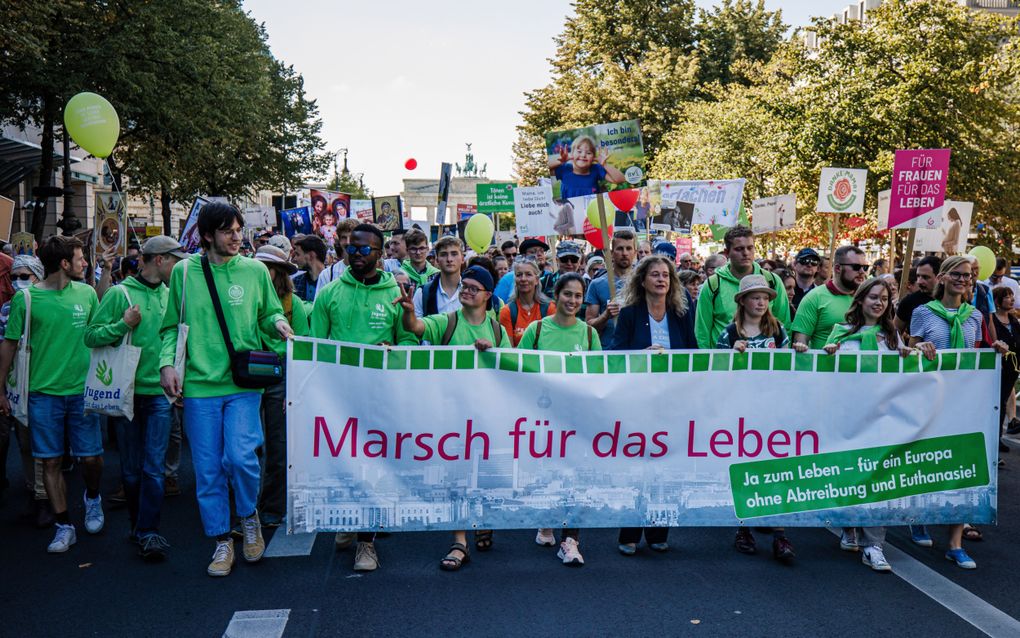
(590,331)
(538,333)
(543,308)
(513,313)
(451,325)
(497,332)
(288,308)
(714,289)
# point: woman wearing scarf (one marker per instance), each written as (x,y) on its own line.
(948,322)
(869,326)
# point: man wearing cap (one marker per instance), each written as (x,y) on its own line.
(827,305)
(568,259)
(716,306)
(471,326)
(602,309)
(359,307)
(136,306)
(530,247)
(805,266)
(667,250)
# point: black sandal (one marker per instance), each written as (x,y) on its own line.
(483,540)
(451,563)
(972,533)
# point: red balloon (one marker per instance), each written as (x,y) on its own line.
(411,164)
(594,235)
(624,200)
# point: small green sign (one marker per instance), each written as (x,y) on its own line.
(856,477)
(497,197)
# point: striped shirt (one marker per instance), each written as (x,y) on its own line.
(927,326)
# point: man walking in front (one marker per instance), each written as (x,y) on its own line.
(60,309)
(221,419)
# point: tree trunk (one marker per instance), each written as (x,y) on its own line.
(39,213)
(164,201)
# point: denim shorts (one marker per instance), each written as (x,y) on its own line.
(48,418)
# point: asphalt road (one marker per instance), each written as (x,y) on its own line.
(702,587)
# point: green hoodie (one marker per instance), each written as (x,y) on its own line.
(419,279)
(298,321)
(107,328)
(716,306)
(348,310)
(250,305)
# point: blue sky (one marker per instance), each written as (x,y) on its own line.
(396,79)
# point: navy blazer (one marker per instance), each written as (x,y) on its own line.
(634,330)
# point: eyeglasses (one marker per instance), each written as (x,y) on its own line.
(959,276)
(27,277)
(995,278)
(471,290)
(854,267)
(510,254)
(364,250)
(417,249)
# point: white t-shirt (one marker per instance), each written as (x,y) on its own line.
(1010,283)
(854,345)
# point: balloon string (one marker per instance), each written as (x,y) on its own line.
(123,199)
(1012,358)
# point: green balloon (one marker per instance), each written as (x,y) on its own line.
(986,261)
(593,212)
(478,232)
(92,123)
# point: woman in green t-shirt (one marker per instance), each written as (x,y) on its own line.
(562,332)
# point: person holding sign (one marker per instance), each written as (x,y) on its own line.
(562,332)
(945,322)
(469,326)
(870,325)
(580,167)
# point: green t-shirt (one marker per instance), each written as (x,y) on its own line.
(464,334)
(818,312)
(107,328)
(60,358)
(556,338)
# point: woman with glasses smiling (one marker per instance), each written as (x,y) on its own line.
(948,322)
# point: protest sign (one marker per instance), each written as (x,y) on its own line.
(675,216)
(445,176)
(536,214)
(595,159)
(24,244)
(841,190)
(386,212)
(362,210)
(111,215)
(918,187)
(715,201)
(883,210)
(153,231)
(497,197)
(189,238)
(535,439)
(6,217)
(684,245)
(296,221)
(259,216)
(465,211)
(328,208)
(949,235)
(772,214)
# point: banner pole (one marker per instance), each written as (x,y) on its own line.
(606,247)
(908,256)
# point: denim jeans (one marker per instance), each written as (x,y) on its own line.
(143,442)
(173,450)
(224,433)
(53,417)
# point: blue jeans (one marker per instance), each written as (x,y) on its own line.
(224,433)
(51,416)
(143,444)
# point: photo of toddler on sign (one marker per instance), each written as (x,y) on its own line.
(595,159)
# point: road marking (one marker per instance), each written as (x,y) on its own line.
(258,623)
(986,617)
(284,544)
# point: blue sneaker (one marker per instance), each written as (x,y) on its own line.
(919,534)
(960,557)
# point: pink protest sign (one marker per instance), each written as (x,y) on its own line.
(684,245)
(918,187)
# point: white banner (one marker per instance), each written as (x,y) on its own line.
(715,201)
(450,438)
(774,213)
(948,230)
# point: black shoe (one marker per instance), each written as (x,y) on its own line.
(118,497)
(782,549)
(745,542)
(44,514)
(153,548)
(1013,427)
(270,520)
(1003,448)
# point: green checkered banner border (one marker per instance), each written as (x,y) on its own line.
(455,438)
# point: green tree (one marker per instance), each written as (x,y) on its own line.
(347,183)
(733,37)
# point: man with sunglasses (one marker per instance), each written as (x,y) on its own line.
(825,306)
(359,307)
(805,267)
(568,259)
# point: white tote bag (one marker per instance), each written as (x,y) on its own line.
(110,384)
(17,380)
(181,355)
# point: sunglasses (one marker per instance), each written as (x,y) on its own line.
(809,262)
(855,267)
(570,259)
(21,277)
(364,250)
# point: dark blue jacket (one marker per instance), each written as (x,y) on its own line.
(634,331)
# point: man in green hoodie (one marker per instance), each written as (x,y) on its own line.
(221,419)
(417,267)
(358,308)
(137,307)
(716,306)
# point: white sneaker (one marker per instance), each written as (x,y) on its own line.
(545,537)
(569,553)
(874,558)
(848,540)
(94,517)
(63,539)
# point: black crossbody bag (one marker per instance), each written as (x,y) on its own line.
(250,368)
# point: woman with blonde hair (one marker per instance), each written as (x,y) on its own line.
(527,303)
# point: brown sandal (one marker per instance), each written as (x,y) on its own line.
(451,563)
